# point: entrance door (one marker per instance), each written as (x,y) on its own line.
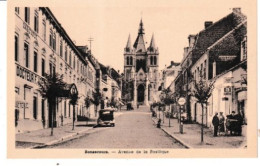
(140,91)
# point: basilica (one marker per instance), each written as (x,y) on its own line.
(141,68)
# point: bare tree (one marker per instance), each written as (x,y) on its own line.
(202,90)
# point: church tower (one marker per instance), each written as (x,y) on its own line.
(141,68)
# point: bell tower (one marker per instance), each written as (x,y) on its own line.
(141,68)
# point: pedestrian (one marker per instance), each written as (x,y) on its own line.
(239,124)
(215,122)
(221,123)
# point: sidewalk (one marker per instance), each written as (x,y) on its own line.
(191,137)
(42,138)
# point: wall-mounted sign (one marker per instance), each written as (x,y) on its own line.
(27,74)
(182,101)
(21,104)
(227,90)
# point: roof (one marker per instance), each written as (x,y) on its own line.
(139,44)
(210,35)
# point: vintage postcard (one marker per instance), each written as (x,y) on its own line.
(132,79)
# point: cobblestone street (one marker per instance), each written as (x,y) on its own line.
(133,129)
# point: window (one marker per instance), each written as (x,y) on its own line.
(35,60)
(44,30)
(50,68)
(36,22)
(244,49)
(34,107)
(54,41)
(127,61)
(74,63)
(17,10)
(66,54)
(51,38)
(155,60)
(151,60)
(16,47)
(61,48)
(27,15)
(205,68)
(70,59)
(131,60)
(43,67)
(26,54)
(77,65)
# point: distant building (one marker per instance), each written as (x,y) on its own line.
(141,69)
(169,73)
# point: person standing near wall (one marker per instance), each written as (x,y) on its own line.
(215,122)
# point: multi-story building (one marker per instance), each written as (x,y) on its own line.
(43,46)
(141,68)
(213,53)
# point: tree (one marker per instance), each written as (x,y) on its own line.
(168,98)
(97,96)
(50,87)
(202,91)
(73,101)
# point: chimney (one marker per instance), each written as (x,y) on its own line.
(186,50)
(236,10)
(172,63)
(191,40)
(207,24)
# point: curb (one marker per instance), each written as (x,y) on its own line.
(63,139)
(175,137)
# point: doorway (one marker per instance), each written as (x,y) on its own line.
(140,91)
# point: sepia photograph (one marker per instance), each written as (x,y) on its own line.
(131,79)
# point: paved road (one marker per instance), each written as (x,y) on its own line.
(134,129)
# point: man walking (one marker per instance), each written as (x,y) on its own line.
(215,122)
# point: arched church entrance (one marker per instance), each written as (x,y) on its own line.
(140,92)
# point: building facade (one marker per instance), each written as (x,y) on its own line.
(217,53)
(141,69)
(43,46)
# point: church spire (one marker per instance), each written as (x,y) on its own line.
(141,29)
(152,44)
(129,44)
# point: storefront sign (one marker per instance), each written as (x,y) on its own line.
(29,30)
(27,74)
(21,104)
(227,57)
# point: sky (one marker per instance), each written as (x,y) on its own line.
(109,24)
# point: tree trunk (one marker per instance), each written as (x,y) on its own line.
(73,116)
(170,116)
(202,122)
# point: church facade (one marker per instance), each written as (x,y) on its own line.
(141,69)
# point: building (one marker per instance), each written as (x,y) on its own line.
(110,85)
(215,50)
(169,74)
(43,46)
(141,69)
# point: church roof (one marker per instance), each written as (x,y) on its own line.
(139,44)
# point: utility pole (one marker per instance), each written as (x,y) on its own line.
(90,40)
